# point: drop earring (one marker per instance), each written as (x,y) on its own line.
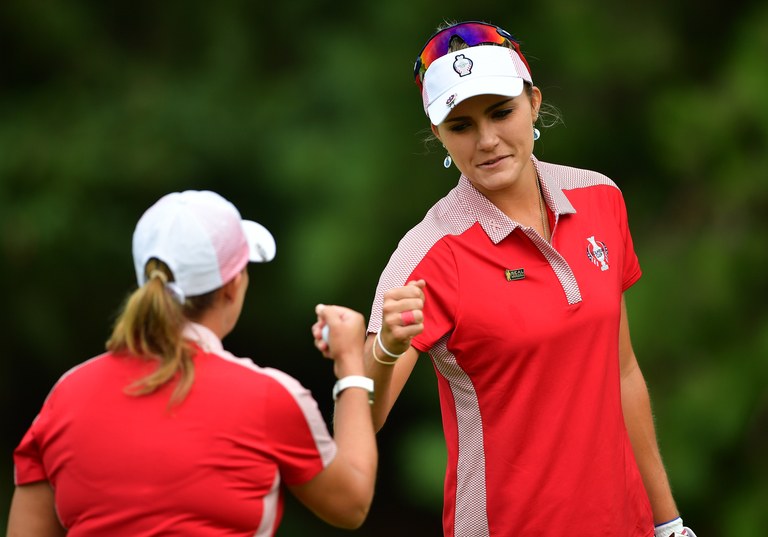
(447,161)
(536,134)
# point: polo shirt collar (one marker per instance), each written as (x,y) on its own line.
(203,337)
(494,222)
(554,196)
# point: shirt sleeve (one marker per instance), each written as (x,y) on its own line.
(28,457)
(438,270)
(631,266)
(433,262)
(298,436)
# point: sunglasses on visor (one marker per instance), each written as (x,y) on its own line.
(472,33)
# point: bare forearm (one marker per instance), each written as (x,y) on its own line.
(357,455)
(355,439)
(388,378)
(382,379)
(639,419)
(341,494)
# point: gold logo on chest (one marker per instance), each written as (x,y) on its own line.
(514,274)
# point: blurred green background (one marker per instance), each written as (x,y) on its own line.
(304,113)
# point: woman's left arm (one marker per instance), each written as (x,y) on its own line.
(642,434)
(33,513)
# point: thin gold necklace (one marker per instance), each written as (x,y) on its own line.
(541,210)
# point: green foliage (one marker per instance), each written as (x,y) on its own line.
(305,114)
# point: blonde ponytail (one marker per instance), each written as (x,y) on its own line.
(151,326)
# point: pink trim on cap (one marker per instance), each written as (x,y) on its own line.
(201,237)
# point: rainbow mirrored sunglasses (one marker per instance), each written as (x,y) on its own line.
(472,33)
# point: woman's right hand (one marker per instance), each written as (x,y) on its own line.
(341,494)
(345,338)
(402,316)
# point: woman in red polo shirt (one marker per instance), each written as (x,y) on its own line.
(513,283)
(167,433)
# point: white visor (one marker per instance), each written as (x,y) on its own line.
(479,70)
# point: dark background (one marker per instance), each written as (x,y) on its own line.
(304,113)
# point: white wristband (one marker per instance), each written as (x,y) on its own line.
(353,381)
(670,528)
(387,351)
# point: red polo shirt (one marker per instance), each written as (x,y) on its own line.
(213,465)
(523,335)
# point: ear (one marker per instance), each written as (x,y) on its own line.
(535,103)
(229,289)
(436,132)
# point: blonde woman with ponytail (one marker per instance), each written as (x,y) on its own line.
(167,433)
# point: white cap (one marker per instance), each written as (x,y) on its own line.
(202,239)
(478,70)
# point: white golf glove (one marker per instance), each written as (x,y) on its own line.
(673,528)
